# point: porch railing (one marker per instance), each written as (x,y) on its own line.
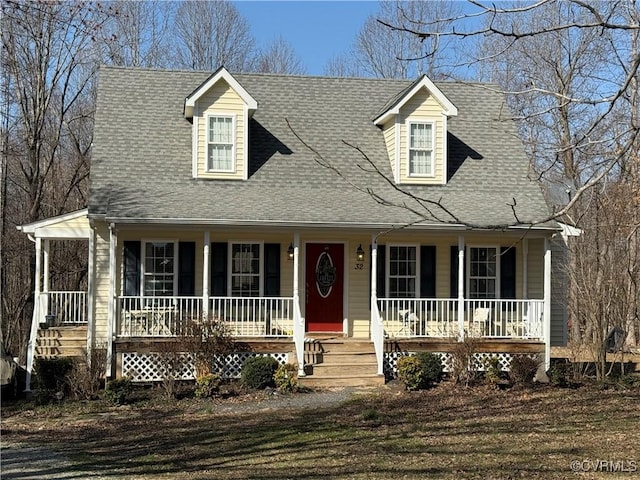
(408,318)
(255,316)
(157,316)
(66,307)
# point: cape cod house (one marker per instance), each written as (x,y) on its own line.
(333,222)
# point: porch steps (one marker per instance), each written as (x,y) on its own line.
(61,342)
(338,361)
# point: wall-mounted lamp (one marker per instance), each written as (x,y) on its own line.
(360,253)
(290,251)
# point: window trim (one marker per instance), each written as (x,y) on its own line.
(433,124)
(468,272)
(234,140)
(389,247)
(143,263)
(260,244)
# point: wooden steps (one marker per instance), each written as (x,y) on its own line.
(61,342)
(338,361)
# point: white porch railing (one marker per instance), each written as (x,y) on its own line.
(411,318)
(255,316)
(68,308)
(156,316)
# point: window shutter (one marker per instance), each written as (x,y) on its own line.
(454,273)
(508,272)
(272,269)
(382,274)
(187,268)
(428,271)
(132,249)
(219,269)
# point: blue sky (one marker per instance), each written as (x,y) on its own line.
(317,30)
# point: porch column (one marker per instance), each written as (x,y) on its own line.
(377,329)
(111,312)
(35,321)
(461,260)
(91,326)
(205,275)
(547,303)
(298,320)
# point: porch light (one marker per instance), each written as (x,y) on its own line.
(360,253)
(290,251)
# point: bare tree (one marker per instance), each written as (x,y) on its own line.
(212,34)
(279,56)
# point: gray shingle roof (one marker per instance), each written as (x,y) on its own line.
(141,166)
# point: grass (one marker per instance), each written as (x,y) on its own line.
(444,433)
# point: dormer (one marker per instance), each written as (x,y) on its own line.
(220,109)
(414,126)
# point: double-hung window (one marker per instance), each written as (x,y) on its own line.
(403,271)
(159,269)
(245,269)
(483,273)
(220,143)
(421,151)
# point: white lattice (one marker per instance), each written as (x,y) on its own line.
(151,367)
(391,362)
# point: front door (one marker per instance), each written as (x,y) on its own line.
(324,287)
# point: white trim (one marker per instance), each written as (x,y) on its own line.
(398,149)
(221,74)
(569,231)
(447,107)
(387,266)
(44,228)
(234,123)
(468,265)
(445,153)
(421,121)
(194,146)
(260,265)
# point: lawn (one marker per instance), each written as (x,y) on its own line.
(446,432)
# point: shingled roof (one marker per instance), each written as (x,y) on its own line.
(142,168)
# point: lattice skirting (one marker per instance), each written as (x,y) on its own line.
(479,361)
(153,367)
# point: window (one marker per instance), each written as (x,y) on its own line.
(245,269)
(159,269)
(220,142)
(421,148)
(483,272)
(403,271)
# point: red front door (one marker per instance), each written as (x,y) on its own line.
(324,287)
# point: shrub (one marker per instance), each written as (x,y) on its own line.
(410,372)
(559,373)
(208,385)
(492,370)
(85,378)
(51,378)
(258,372)
(523,368)
(463,369)
(286,378)
(119,391)
(431,364)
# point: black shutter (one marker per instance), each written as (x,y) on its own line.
(219,269)
(428,271)
(454,273)
(132,266)
(272,269)
(381,273)
(187,268)
(508,272)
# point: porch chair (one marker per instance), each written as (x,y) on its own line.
(480,322)
(409,321)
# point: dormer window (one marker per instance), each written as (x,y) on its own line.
(421,143)
(220,143)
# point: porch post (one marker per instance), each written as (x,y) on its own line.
(46,245)
(205,275)
(91,327)
(461,261)
(298,320)
(547,303)
(33,334)
(377,330)
(111,312)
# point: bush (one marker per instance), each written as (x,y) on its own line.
(119,391)
(51,378)
(463,369)
(559,373)
(208,385)
(432,369)
(86,376)
(410,372)
(523,368)
(258,372)
(286,378)
(492,370)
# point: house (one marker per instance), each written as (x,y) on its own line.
(315,216)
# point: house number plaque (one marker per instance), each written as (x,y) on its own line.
(325,274)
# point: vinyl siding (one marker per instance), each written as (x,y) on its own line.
(559,257)
(223,100)
(535,267)
(101,304)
